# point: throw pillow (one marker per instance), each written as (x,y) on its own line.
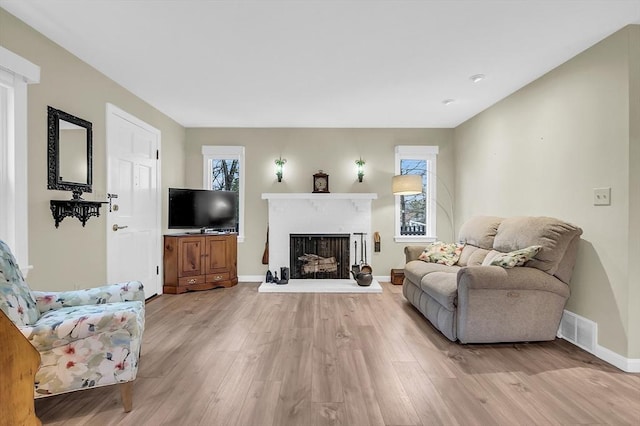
(439,252)
(489,257)
(516,257)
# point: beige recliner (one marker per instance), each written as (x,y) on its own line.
(482,304)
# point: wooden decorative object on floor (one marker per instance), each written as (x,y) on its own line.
(19,362)
(397,276)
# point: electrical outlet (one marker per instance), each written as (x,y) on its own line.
(601,196)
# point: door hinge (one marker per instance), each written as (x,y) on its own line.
(157,154)
(157,270)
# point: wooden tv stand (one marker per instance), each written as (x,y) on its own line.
(199,262)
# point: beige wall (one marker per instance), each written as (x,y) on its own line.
(73,256)
(335,152)
(542,150)
(633,279)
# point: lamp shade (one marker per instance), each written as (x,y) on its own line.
(406,184)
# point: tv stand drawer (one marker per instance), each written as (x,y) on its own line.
(187,281)
(223,276)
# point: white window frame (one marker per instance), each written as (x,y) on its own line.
(15,74)
(223,152)
(430,155)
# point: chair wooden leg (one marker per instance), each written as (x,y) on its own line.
(19,362)
(126,393)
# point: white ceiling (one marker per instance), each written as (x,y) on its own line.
(331,63)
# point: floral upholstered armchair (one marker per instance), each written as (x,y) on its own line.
(86,338)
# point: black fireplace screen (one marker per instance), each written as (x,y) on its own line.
(319,256)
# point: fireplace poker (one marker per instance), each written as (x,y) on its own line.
(364,266)
(365,251)
(355,268)
(355,251)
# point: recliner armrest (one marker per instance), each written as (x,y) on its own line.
(121,292)
(521,304)
(412,252)
(519,278)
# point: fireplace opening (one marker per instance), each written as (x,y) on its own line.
(319,256)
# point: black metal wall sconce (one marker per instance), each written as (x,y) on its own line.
(360,163)
(280,162)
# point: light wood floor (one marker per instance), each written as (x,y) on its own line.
(236,357)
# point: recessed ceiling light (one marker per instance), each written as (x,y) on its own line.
(477,78)
(448,101)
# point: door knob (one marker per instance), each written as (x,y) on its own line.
(116,227)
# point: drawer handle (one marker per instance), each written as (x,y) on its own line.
(218,278)
(192,281)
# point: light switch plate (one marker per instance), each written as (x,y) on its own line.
(601,196)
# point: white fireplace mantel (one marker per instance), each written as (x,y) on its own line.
(308,213)
(312,196)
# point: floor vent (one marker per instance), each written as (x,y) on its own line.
(579,331)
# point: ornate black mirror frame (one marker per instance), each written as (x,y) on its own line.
(55,180)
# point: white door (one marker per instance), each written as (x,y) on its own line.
(133,218)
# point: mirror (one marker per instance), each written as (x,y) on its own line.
(70,153)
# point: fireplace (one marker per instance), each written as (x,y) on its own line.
(335,214)
(319,256)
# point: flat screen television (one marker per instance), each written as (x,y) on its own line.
(204,209)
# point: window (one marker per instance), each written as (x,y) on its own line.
(416,214)
(15,73)
(223,170)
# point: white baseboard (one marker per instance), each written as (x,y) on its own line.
(251,278)
(583,333)
(633,366)
(617,360)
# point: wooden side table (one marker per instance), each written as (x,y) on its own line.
(397,276)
